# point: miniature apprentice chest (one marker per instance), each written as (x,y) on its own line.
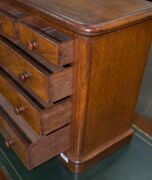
(70,74)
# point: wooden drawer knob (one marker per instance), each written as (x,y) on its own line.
(9,143)
(32,45)
(23,77)
(19,109)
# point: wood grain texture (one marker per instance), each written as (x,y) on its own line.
(8,18)
(90,17)
(103,151)
(52,48)
(80,88)
(31,113)
(9,134)
(19,120)
(48,147)
(43,121)
(48,86)
(118,61)
(104,80)
(7,26)
(37,152)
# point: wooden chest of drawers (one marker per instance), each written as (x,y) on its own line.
(70,74)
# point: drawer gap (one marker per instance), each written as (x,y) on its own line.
(7,15)
(11,11)
(58,35)
(44,27)
(50,67)
(43,33)
(61,100)
(26,55)
(67,65)
(66,125)
(23,90)
(38,23)
(14,126)
(40,106)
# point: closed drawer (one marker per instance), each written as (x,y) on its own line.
(40,38)
(46,85)
(8,18)
(36,150)
(42,120)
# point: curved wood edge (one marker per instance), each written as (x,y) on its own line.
(143,123)
(87,29)
(87,161)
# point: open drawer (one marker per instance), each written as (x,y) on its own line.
(47,86)
(40,38)
(42,120)
(8,19)
(32,149)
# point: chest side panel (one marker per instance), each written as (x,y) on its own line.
(118,60)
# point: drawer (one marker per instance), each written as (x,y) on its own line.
(8,18)
(36,150)
(40,38)
(44,84)
(42,120)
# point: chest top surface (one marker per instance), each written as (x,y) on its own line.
(91,16)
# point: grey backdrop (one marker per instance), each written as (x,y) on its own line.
(144,105)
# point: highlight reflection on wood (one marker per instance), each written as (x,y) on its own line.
(72,71)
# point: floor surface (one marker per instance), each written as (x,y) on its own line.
(132,162)
(144,105)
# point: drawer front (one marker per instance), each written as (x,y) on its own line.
(7,26)
(49,48)
(8,18)
(12,140)
(21,105)
(33,153)
(43,121)
(19,67)
(47,86)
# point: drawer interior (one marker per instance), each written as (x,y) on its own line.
(43,120)
(44,27)
(46,85)
(33,153)
(40,39)
(26,140)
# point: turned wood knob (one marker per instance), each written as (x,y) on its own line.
(19,109)
(24,76)
(9,143)
(32,45)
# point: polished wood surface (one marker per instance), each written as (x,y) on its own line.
(116,73)
(46,41)
(34,153)
(8,17)
(114,77)
(18,146)
(100,153)
(90,17)
(48,86)
(38,117)
(91,54)
(7,26)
